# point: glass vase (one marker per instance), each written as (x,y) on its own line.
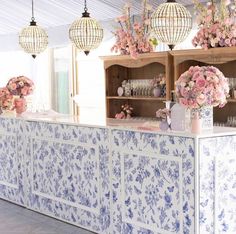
(202,116)
(164,125)
(157,92)
(196,123)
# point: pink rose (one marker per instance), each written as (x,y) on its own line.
(12,86)
(201,99)
(201,82)
(24,91)
(120,115)
(183,101)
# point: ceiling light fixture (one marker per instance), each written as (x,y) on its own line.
(85,32)
(171,23)
(33,39)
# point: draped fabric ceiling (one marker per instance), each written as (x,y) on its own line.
(15,14)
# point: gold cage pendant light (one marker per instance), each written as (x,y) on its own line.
(33,39)
(171,23)
(86,33)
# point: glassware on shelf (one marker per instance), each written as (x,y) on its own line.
(231,122)
(127,89)
(139,88)
(232,86)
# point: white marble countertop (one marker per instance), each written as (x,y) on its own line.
(134,125)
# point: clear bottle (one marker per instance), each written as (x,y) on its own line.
(128,89)
(178,117)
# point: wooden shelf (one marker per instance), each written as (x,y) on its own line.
(231,100)
(145,67)
(138,98)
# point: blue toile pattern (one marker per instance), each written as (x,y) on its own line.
(218,185)
(152,183)
(114,181)
(68,174)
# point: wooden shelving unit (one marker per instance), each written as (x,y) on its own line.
(222,58)
(146,66)
(161,99)
(231,100)
(173,64)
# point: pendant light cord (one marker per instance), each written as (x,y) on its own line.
(85,6)
(33,11)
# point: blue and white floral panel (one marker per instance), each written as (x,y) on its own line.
(68,173)
(218,185)
(64,171)
(152,175)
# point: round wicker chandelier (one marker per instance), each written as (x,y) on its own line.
(33,39)
(85,33)
(171,23)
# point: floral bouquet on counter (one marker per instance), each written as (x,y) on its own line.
(126,112)
(162,114)
(6,99)
(134,37)
(202,86)
(20,86)
(217,24)
(158,83)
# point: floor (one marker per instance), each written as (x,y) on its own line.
(18,220)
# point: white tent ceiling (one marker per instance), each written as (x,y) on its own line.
(16,14)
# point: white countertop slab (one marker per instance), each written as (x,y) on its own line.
(134,125)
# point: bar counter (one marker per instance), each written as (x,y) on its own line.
(120,177)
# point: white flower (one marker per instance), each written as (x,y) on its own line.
(191,84)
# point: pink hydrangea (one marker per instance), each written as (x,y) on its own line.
(202,86)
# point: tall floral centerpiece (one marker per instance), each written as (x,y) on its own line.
(133,37)
(216,22)
(201,89)
(19,87)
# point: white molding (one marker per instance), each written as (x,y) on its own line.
(158,157)
(119,149)
(73,204)
(9,184)
(149,227)
(4,133)
(54,198)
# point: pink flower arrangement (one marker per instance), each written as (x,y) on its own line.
(126,112)
(134,38)
(202,86)
(6,99)
(158,81)
(217,24)
(163,113)
(20,86)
